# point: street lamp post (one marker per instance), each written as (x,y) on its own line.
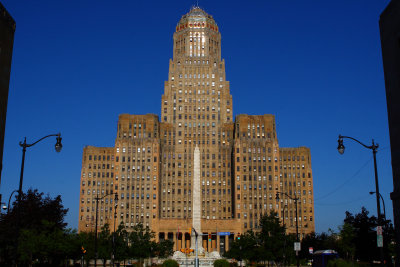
(24,145)
(295,199)
(284,237)
(374,148)
(383,202)
(97,198)
(115,217)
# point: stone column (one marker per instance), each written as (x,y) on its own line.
(218,243)
(175,240)
(196,202)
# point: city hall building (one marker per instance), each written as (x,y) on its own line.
(241,166)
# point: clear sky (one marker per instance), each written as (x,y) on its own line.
(316,65)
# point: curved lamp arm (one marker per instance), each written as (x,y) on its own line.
(109,194)
(283,193)
(341,147)
(9,200)
(58,145)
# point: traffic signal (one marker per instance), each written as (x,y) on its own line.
(209,237)
(238,236)
(83,250)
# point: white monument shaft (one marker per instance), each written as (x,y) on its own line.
(196,202)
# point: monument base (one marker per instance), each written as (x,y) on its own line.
(206,259)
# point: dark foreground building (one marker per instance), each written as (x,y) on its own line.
(390,41)
(7,28)
(228,185)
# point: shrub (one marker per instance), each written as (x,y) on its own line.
(341,263)
(221,263)
(170,263)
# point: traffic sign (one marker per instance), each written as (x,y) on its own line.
(224,233)
(297,246)
(379,241)
(311,250)
(379,230)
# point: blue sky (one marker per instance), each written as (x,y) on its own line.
(316,65)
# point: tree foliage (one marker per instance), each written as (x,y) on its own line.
(38,222)
(165,248)
(272,236)
(269,244)
(221,263)
(170,263)
(142,244)
(356,239)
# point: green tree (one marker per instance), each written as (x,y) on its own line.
(251,246)
(235,251)
(121,243)
(288,249)
(346,246)
(364,228)
(104,242)
(271,236)
(165,248)
(38,221)
(221,263)
(365,235)
(85,240)
(73,248)
(246,248)
(170,263)
(142,244)
(268,244)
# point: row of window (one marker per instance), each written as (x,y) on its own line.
(139,149)
(99,174)
(101,157)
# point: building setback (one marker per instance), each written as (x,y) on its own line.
(151,166)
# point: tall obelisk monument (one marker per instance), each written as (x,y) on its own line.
(196,224)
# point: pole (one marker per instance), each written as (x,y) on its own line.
(95,232)
(377,194)
(297,232)
(197,255)
(24,145)
(384,209)
(21,178)
(374,148)
(284,238)
(113,240)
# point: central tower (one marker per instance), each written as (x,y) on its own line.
(196,110)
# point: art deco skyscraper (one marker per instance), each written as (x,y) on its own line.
(196,110)
(241,164)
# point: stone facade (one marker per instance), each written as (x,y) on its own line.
(97,178)
(240,167)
